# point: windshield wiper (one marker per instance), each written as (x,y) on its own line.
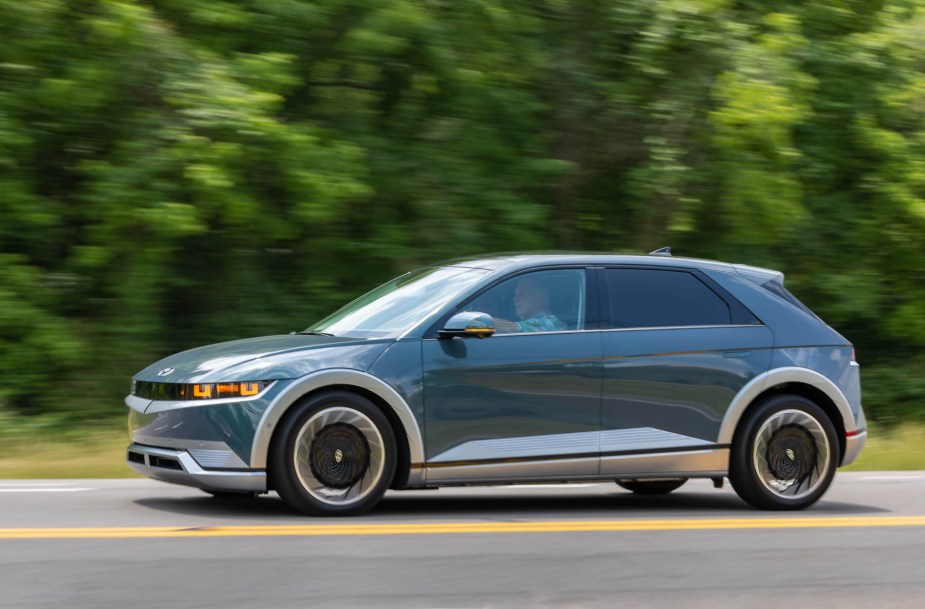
(311,333)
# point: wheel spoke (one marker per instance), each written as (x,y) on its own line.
(781,455)
(354,491)
(332,447)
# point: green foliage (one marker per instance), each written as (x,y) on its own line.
(893,393)
(165,166)
(37,346)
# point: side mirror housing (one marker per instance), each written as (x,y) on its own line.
(469,323)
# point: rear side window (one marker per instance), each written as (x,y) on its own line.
(776,287)
(644,298)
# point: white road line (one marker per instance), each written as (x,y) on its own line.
(24,483)
(893,478)
(46,490)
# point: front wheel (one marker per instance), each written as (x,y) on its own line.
(335,455)
(784,454)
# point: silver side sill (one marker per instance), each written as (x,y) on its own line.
(668,464)
(853,446)
(711,463)
(178,467)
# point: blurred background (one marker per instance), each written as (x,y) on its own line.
(182,172)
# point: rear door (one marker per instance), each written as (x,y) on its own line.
(676,349)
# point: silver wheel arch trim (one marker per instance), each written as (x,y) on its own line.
(769,379)
(325,378)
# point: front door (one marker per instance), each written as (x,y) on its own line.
(524,403)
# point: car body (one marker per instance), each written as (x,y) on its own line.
(644,370)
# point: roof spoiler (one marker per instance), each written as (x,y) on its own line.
(757,274)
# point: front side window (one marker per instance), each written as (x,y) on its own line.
(644,298)
(542,301)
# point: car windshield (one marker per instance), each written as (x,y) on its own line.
(394,307)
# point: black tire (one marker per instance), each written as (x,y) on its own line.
(334,455)
(784,454)
(650,487)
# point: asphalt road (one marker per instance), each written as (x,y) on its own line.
(138,543)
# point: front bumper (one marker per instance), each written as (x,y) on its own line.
(179,467)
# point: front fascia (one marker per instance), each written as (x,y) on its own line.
(200,424)
(182,467)
(235,422)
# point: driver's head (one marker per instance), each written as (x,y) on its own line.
(530,298)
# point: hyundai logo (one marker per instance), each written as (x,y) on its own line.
(165,372)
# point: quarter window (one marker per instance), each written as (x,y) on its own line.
(643,298)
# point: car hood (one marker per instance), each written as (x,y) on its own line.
(264,358)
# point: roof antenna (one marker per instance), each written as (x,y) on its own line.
(662,251)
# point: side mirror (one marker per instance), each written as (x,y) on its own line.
(469,323)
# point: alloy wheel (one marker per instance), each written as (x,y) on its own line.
(339,456)
(791,454)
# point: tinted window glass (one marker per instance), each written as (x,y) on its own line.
(777,288)
(652,298)
(544,301)
(399,304)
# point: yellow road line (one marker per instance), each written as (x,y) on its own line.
(433,528)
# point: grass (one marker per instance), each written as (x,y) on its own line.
(893,449)
(98,454)
(101,453)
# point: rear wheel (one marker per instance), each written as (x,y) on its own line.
(335,455)
(784,454)
(650,487)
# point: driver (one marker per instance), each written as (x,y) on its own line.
(531,301)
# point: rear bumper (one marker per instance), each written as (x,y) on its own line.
(179,467)
(853,446)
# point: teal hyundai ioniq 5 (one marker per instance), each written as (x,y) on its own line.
(642,370)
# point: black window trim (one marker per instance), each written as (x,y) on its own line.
(739,314)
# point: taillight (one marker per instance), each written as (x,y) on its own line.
(853,355)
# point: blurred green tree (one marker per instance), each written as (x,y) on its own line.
(176,172)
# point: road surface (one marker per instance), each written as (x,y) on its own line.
(139,543)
